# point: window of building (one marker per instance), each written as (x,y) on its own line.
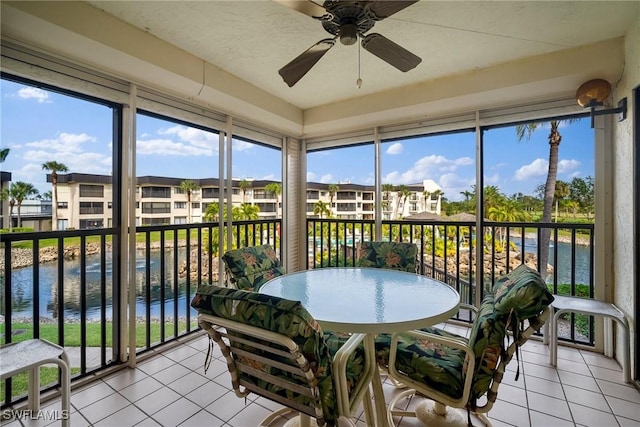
(63,205)
(109,205)
(178,190)
(313,194)
(155,221)
(156,192)
(91,223)
(156,208)
(91,208)
(195,205)
(180,220)
(90,190)
(179,205)
(63,224)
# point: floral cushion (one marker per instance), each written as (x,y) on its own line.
(289,318)
(433,364)
(390,255)
(441,367)
(523,291)
(251,267)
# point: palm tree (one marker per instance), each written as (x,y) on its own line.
(20,191)
(188,187)
(246,211)
(211,212)
(4,152)
(333,189)
(562,191)
(387,189)
(54,167)
(525,131)
(426,195)
(244,184)
(400,189)
(405,194)
(321,208)
(275,188)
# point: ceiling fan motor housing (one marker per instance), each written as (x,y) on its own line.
(348,21)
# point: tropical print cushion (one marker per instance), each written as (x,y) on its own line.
(390,255)
(436,365)
(441,367)
(486,339)
(355,364)
(251,267)
(523,291)
(289,318)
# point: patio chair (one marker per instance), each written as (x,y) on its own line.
(275,349)
(251,267)
(390,255)
(451,370)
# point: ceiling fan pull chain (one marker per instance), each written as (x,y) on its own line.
(359,81)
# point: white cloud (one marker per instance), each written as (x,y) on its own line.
(492,179)
(395,148)
(539,167)
(64,144)
(566,166)
(33,92)
(453,184)
(271,177)
(327,179)
(311,176)
(167,147)
(427,167)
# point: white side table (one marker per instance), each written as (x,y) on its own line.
(29,356)
(565,304)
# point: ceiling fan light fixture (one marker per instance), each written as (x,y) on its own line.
(348,34)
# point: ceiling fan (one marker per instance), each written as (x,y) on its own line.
(346,21)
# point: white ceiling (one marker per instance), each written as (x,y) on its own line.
(225,55)
(254,39)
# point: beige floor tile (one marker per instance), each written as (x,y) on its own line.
(624,408)
(202,418)
(619,390)
(586,416)
(140,389)
(549,405)
(589,398)
(176,412)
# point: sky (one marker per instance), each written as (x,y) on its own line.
(40,126)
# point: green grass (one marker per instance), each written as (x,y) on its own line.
(19,383)
(581,320)
(94,334)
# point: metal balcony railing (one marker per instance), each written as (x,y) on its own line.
(64,286)
(448,252)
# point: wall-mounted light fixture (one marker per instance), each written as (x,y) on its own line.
(593,93)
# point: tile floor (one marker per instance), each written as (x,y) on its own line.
(170,389)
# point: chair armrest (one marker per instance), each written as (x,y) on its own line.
(468,374)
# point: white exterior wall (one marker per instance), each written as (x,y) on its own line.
(624,267)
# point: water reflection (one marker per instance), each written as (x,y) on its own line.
(22,292)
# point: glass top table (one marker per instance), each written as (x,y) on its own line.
(370,301)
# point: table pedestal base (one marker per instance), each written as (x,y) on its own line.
(434,414)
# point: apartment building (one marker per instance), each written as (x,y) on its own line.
(86,200)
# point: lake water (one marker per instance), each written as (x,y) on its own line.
(22,288)
(22,280)
(583,267)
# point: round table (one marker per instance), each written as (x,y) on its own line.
(368,300)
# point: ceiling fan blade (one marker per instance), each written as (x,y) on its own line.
(384,9)
(296,69)
(307,7)
(390,52)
